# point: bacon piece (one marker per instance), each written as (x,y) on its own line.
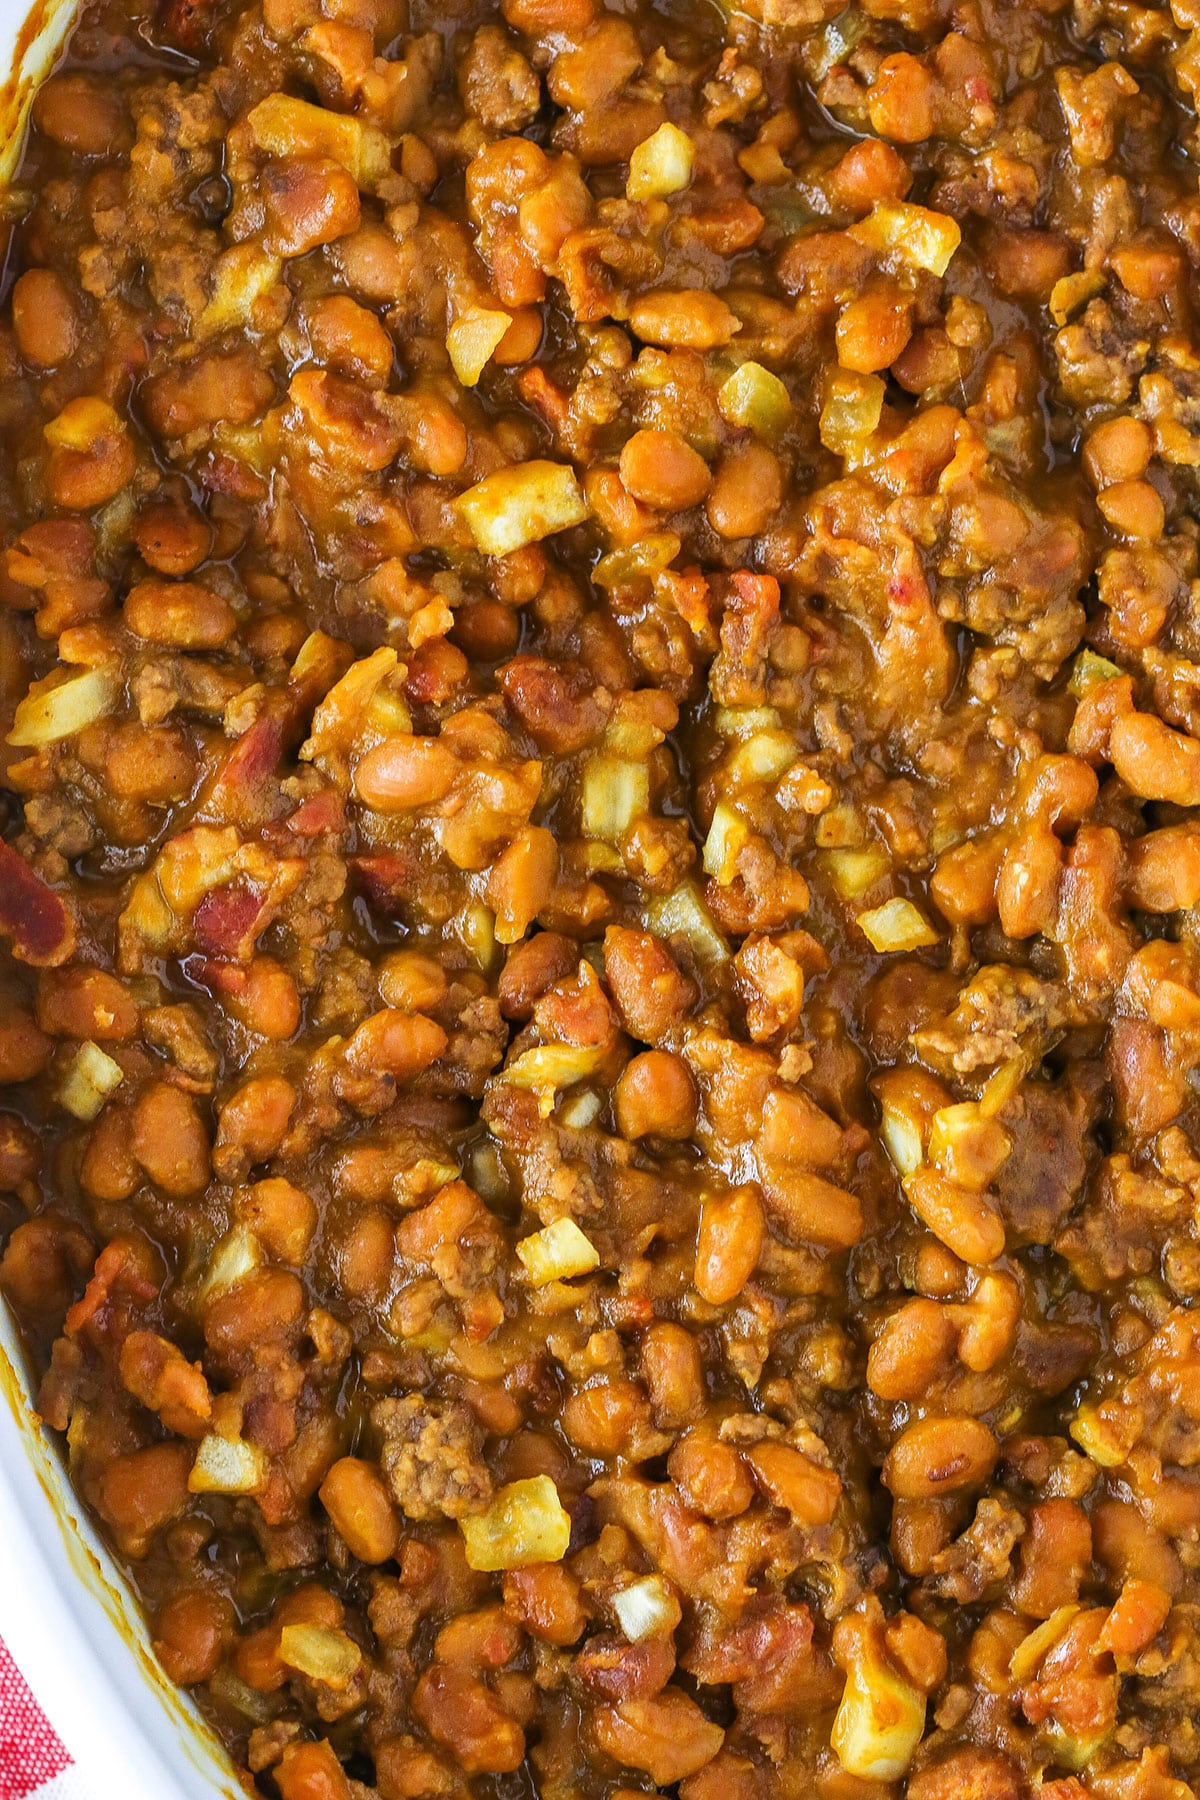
(32,915)
(226,918)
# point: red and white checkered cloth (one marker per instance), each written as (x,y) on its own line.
(34,1762)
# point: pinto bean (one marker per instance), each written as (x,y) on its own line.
(940,1456)
(1155,761)
(354,1496)
(662,470)
(181,613)
(729,1244)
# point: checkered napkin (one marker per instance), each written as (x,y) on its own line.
(34,1762)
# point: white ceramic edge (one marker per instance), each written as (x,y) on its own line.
(65,1614)
(72,1631)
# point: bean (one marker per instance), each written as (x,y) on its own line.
(355,1498)
(25,1050)
(967,1223)
(1134,509)
(85,1003)
(522,881)
(691,319)
(263,1308)
(282,1217)
(406,772)
(710,1475)
(1117,451)
(747,491)
(655,1096)
(1164,869)
(673,1370)
(662,470)
(872,331)
(44,318)
(153,763)
(1154,761)
(940,1456)
(143,1490)
(795,1482)
(395,1043)
(459,1711)
(91,457)
(169,1139)
(251,1124)
(603,1420)
(547,1601)
(309,201)
(913,1349)
(81,114)
(311,1772)
(191,1634)
(729,1244)
(172,537)
(181,613)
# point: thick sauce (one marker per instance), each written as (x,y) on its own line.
(600,672)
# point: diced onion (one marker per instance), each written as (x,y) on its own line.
(901,1134)
(661,164)
(879,1723)
(614,794)
(321,1653)
(765,756)
(852,411)
(853,872)
(684,912)
(557,1252)
(526,1523)
(53,709)
(90,1079)
(1033,1648)
(756,400)
(745,721)
(897,925)
(548,1067)
(645,1607)
(472,340)
(521,505)
(227,1466)
(727,837)
(241,276)
(1089,670)
(475,927)
(926,239)
(230,1690)
(234,1257)
(1070,292)
(580,1109)
(637,562)
(966,1144)
(1097,1438)
(284,126)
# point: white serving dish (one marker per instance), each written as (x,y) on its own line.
(65,1613)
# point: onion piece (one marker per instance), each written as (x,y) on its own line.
(557,1252)
(756,400)
(91,1077)
(526,1523)
(661,164)
(54,709)
(521,505)
(896,926)
(473,339)
(227,1466)
(321,1653)
(646,1607)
